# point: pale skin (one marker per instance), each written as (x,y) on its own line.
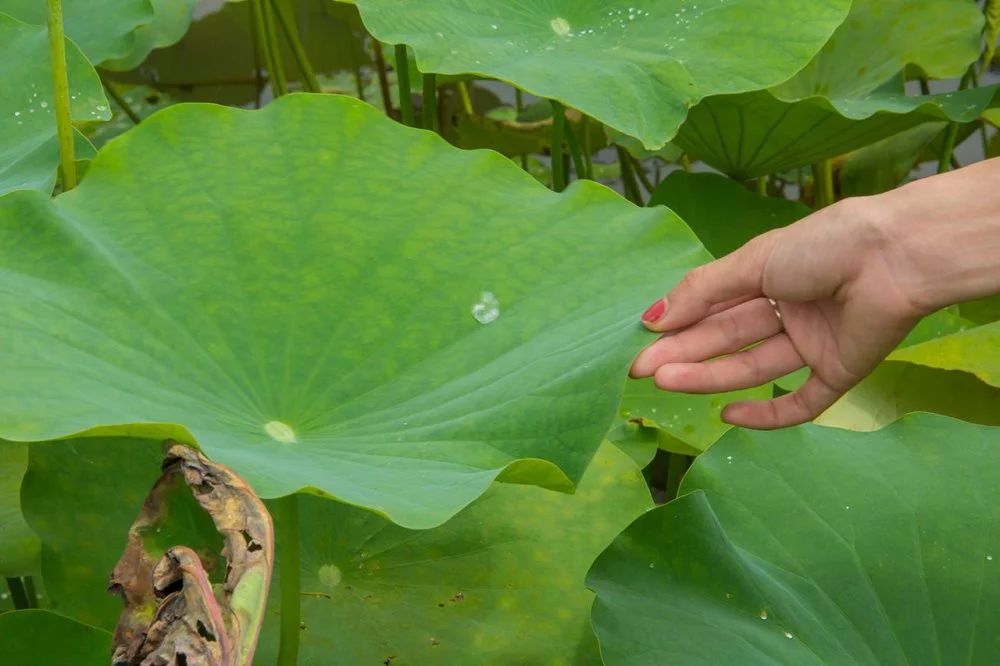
(850,281)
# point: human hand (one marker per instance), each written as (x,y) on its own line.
(850,281)
(841,309)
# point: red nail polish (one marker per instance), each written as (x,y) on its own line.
(654,312)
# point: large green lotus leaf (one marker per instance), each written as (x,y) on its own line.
(895,389)
(500,583)
(880,37)
(81,546)
(41,637)
(636,66)
(976,350)
(815,546)
(723,213)
(103,29)
(755,134)
(18,544)
(29,149)
(170,21)
(397,324)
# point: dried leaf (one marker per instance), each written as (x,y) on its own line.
(171,608)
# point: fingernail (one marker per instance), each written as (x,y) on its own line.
(654,312)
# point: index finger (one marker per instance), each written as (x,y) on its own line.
(736,276)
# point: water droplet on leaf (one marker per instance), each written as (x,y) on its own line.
(487,309)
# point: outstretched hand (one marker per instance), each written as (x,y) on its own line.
(848,283)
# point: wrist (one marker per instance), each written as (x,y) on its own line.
(941,236)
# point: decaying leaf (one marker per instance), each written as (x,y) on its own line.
(171,608)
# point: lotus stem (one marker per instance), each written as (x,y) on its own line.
(18,595)
(463,93)
(676,467)
(291,30)
(951,134)
(255,39)
(403,81)
(519,107)
(122,103)
(640,172)
(823,175)
(60,86)
(286,514)
(383,78)
(430,102)
(574,151)
(762,186)
(558,134)
(275,67)
(588,157)
(628,177)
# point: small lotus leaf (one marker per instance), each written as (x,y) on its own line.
(36,637)
(103,29)
(29,150)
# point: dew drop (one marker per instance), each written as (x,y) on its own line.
(789,634)
(762,614)
(989,558)
(651,565)
(560,26)
(487,309)
(280,432)
(44,105)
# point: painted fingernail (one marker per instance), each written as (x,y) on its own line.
(654,312)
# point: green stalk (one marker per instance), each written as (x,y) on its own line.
(122,103)
(383,78)
(18,594)
(675,473)
(252,7)
(466,98)
(947,150)
(276,68)
(60,85)
(519,106)
(628,178)
(286,515)
(823,186)
(588,157)
(558,133)
(574,151)
(29,589)
(430,102)
(762,186)
(640,172)
(403,81)
(291,30)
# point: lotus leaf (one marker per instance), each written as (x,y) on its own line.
(103,29)
(29,151)
(397,325)
(755,134)
(636,66)
(500,583)
(33,637)
(170,21)
(815,546)
(976,350)
(18,544)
